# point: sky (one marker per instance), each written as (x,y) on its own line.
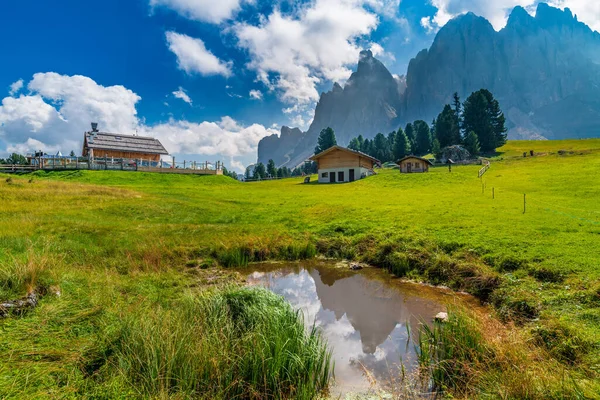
(208,78)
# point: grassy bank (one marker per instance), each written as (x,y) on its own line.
(114,240)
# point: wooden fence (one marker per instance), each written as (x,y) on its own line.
(122,164)
(484,169)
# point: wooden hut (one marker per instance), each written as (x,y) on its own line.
(412,164)
(339,164)
(113,145)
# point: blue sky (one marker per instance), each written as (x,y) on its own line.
(209,78)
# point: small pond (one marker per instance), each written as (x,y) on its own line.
(369,318)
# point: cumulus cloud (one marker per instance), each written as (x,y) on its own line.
(182,94)
(193,56)
(256,95)
(202,10)
(16,87)
(293,53)
(226,137)
(497,11)
(59,110)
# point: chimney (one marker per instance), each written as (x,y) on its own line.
(94,127)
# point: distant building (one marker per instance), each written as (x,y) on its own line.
(112,145)
(412,164)
(339,164)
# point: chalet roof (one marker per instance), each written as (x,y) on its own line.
(332,148)
(126,143)
(416,157)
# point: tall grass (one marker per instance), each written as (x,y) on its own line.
(234,343)
(21,275)
(461,358)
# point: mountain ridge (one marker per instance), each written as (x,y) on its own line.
(543,69)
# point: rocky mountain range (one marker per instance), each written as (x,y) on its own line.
(544,71)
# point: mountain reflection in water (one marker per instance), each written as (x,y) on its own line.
(364,320)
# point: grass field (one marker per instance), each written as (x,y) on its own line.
(118,243)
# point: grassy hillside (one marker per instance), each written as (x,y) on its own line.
(117,243)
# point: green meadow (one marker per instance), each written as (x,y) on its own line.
(124,258)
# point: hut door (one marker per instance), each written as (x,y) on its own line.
(409,167)
(332,177)
(351,175)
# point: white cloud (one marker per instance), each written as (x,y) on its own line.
(256,95)
(213,11)
(497,11)
(60,108)
(225,138)
(16,87)
(181,94)
(293,53)
(193,57)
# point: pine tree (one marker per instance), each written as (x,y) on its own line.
(354,144)
(271,169)
(457,134)
(422,137)
(260,171)
(436,148)
(326,140)
(381,148)
(472,143)
(482,115)
(248,174)
(401,145)
(410,134)
(445,127)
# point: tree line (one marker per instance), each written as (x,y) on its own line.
(478,124)
(270,171)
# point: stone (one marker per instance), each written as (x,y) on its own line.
(441,317)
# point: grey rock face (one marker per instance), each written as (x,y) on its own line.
(544,71)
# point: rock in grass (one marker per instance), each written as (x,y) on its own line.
(355,266)
(441,317)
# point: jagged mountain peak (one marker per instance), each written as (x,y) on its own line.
(544,70)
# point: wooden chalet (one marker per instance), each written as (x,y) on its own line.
(340,164)
(113,145)
(413,164)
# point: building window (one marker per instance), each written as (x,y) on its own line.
(325,175)
(417,165)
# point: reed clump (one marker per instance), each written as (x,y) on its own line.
(223,344)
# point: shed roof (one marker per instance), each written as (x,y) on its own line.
(118,142)
(415,157)
(332,148)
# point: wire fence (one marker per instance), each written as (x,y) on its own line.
(532,201)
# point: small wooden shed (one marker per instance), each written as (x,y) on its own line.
(114,145)
(413,164)
(340,164)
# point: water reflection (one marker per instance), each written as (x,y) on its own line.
(364,320)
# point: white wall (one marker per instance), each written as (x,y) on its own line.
(358,171)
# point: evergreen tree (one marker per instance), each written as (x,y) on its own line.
(457,135)
(482,115)
(367,148)
(436,148)
(381,149)
(445,127)
(410,134)
(401,145)
(422,137)
(326,140)
(260,171)
(472,143)
(72,154)
(15,159)
(248,174)
(361,143)
(354,144)
(271,169)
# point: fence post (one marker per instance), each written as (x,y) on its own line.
(183,164)
(161,164)
(524,203)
